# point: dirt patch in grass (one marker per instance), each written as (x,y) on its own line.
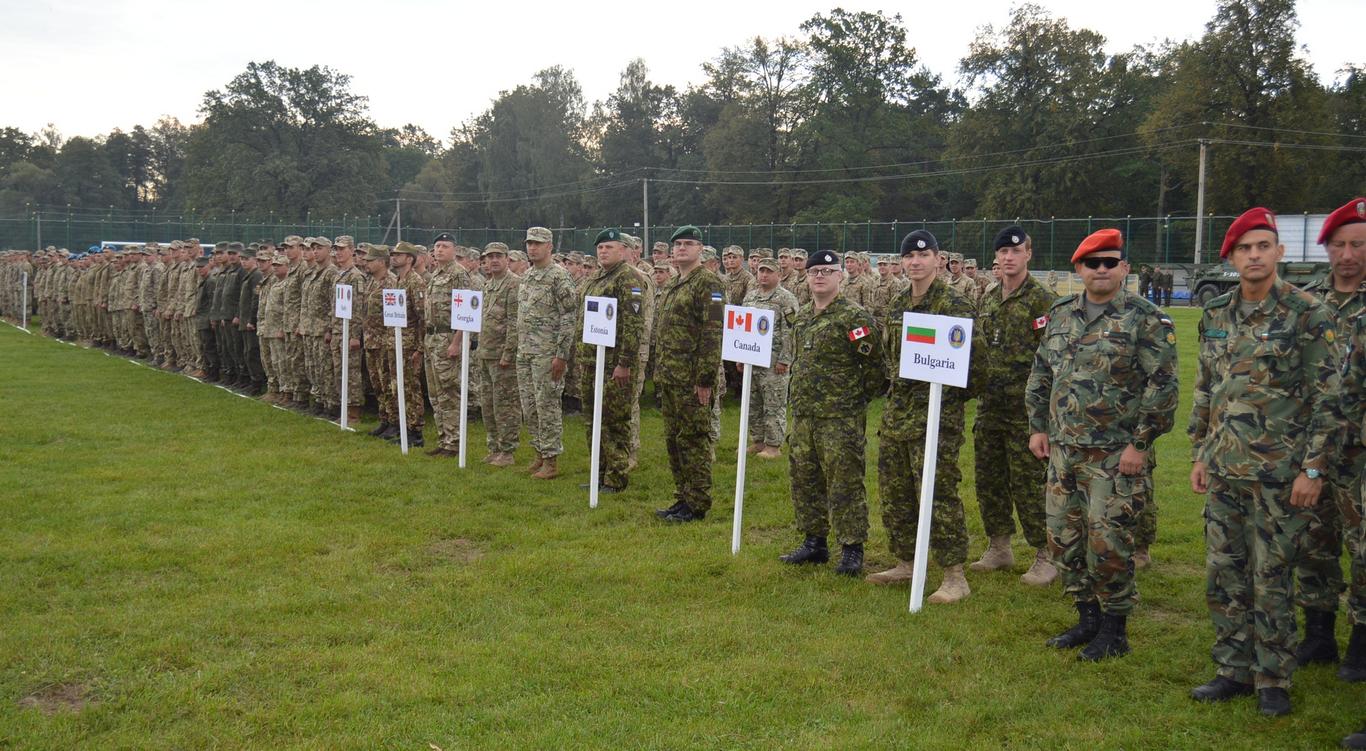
(58,697)
(457,550)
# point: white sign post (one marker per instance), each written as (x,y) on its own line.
(396,315)
(599,328)
(23,294)
(342,310)
(937,349)
(747,338)
(467,317)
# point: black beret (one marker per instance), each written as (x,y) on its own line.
(444,237)
(1009,237)
(822,258)
(921,239)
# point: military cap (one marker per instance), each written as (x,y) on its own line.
(558,257)
(279,259)
(661,266)
(686,232)
(472,253)
(761,253)
(708,253)
(589,260)
(495,249)
(883,260)
(921,239)
(575,257)
(798,253)
(539,235)
(1255,218)
(423,250)
(292,240)
(152,246)
(221,246)
(201,262)
(235,247)
(177,245)
(733,250)
(262,254)
(1008,237)
(377,253)
(609,235)
(517,255)
(955,257)
(1101,239)
(660,246)
(631,240)
(784,252)
(193,241)
(823,258)
(403,247)
(444,237)
(767,263)
(320,240)
(1352,212)
(969,263)
(253,247)
(345,241)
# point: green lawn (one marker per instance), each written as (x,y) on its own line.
(191,569)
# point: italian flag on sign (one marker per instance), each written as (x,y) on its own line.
(919,335)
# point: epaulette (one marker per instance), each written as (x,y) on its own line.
(1220,301)
(1064,300)
(1299,301)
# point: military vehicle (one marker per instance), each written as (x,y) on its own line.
(1207,281)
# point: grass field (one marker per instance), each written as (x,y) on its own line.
(185,568)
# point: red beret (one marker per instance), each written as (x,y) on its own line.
(1101,239)
(1350,213)
(1256,218)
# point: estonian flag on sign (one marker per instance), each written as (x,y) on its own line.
(592,306)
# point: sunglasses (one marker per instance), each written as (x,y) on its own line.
(1095,263)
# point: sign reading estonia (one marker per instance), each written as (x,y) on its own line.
(748,336)
(936,349)
(600,321)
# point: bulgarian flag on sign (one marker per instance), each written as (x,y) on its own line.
(919,335)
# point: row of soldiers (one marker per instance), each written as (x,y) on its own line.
(1156,283)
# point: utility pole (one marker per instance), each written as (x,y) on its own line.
(398,220)
(645,223)
(1200,202)
(38,214)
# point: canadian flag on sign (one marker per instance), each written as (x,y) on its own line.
(1040,322)
(739,321)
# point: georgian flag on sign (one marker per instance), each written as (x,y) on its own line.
(1040,322)
(858,333)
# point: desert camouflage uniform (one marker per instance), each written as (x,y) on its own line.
(768,397)
(546,314)
(497,358)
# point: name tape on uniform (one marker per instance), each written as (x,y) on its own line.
(342,307)
(936,349)
(467,310)
(395,307)
(600,321)
(748,336)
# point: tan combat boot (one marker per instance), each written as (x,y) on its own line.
(771,452)
(535,465)
(1142,559)
(548,470)
(352,415)
(503,459)
(953,588)
(754,448)
(1042,572)
(997,556)
(901,572)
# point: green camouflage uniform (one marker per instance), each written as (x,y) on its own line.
(1265,408)
(691,312)
(501,408)
(1097,386)
(1337,517)
(615,449)
(901,439)
(1006,335)
(247,303)
(1354,426)
(768,388)
(546,313)
(836,370)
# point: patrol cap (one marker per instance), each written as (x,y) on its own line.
(472,254)
(1255,218)
(883,260)
(152,247)
(969,263)
(220,247)
(661,266)
(631,240)
(1009,237)
(320,240)
(293,240)
(539,235)
(495,249)
(574,257)
(784,253)
(344,241)
(798,253)
(955,258)
(377,253)
(1102,239)
(921,239)
(264,254)
(517,255)
(708,253)
(588,260)
(201,262)
(767,263)
(405,248)
(761,253)
(1352,212)
(686,232)
(609,235)
(279,259)
(235,247)
(444,237)
(733,250)
(822,258)
(660,246)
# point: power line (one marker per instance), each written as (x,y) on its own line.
(477,194)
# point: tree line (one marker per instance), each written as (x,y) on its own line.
(838,122)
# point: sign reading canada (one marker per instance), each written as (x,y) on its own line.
(936,349)
(467,310)
(748,336)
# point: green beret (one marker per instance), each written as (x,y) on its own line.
(609,235)
(686,232)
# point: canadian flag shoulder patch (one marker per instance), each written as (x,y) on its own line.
(1040,322)
(858,333)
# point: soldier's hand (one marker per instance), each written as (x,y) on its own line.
(1038,445)
(703,394)
(1304,493)
(621,375)
(504,363)
(453,351)
(455,342)
(236,321)
(780,368)
(557,367)
(1199,478)
(355,344)
(251,327)
(1131,461)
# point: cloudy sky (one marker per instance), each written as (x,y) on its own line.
(89,66)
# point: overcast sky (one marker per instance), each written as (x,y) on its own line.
(93,65)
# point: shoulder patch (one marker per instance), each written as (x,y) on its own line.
(1039,322)
(1166,321)
(1064,300)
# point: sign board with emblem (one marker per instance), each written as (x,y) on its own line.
(342,306)
(936,349)
(746,338)
(395,302)
(467,310)
(600,321)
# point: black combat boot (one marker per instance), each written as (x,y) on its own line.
(1355,740)
(851,560)
(663,512)
(1221,689)
(685,515)
(381,430)
(1112,640)
(1319,644)
(812,550)
(1353,668)
(415,438)
(1273,702)
(1088,624)
(390,433)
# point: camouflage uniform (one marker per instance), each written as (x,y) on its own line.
(443,371)
(768,388)
(691,311)
(270,327)
(648,307)
(355,370)
(1097,386)
(836,370)
(413,283)
(379,356)
(546,313)
(1354,423)
(497,357)
(738,284)
(1264,409)
(615,449)
(901,440)
(320,302)
(1007,333)
(247,303)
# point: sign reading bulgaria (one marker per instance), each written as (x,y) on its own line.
(936,349)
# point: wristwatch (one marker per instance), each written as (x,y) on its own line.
(1141,445)
(1312,474)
